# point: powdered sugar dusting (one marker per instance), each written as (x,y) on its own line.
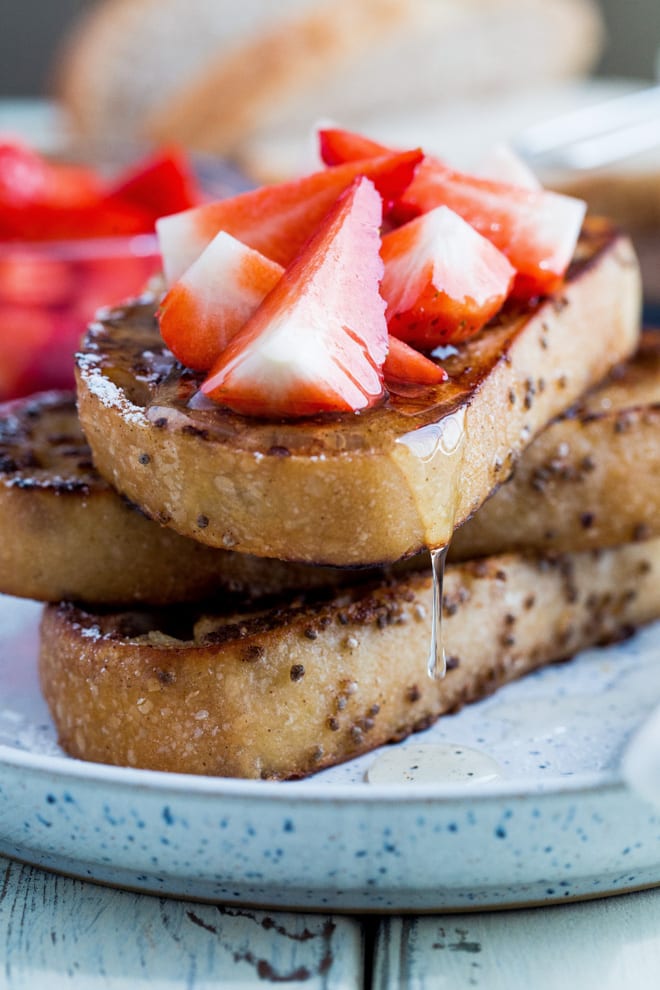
(106,391)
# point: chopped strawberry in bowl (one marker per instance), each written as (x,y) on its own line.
(74,238)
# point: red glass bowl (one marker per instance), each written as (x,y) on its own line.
(49,291)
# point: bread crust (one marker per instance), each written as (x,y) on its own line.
(286,692)
(591,479)
(67,535)
(352,490)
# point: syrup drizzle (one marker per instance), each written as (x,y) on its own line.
(437,663)
(434,763)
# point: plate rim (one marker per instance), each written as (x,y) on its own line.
(181,784)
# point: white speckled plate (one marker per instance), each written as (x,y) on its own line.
(522,803)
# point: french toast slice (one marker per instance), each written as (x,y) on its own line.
(286,691)
(352,489)
(67,535)
(591,479)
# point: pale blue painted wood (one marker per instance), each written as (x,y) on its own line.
(597,945)
(58,933)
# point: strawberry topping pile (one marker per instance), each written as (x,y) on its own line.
(42,200)
(320,294)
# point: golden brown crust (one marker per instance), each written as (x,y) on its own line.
(67,534)
(362,489)
(591,479)
(287,692)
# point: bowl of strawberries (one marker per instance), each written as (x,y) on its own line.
(76,235)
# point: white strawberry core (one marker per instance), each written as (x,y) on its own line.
(447,252)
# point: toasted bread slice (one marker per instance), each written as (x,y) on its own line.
(123,58)
(67,535)
(591,479)
(284,692)
(359,489)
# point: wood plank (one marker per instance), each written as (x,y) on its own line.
(597,945)
(56,932)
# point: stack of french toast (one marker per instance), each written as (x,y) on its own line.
(237,546)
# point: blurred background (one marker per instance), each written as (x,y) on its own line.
(31,30)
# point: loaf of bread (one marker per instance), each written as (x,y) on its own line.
(214,74)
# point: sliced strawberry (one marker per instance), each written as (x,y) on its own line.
(318,341)
(443,281)
(405,364)
(277,220)
(50,223)
(337,146)
(161,184)
(537,230)
(27,179)
(72,186)
(212,300)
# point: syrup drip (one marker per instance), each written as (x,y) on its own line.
(433,763)
(437,664)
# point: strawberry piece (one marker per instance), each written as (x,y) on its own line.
(537,230)
(277,220)
(212,300)
(443,281)
(405,364)
(106,280)
(27,179)
(161,184)
(337,146)
(318,341)
(50,223)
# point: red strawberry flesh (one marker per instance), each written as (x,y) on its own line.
(537,230)
(213,299)
(405,364)
(277,220)
(318,341)
(442,280)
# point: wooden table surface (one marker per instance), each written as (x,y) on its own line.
(56,933)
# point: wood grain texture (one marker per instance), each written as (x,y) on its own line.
(60,933)
(56,932)
(597,945)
